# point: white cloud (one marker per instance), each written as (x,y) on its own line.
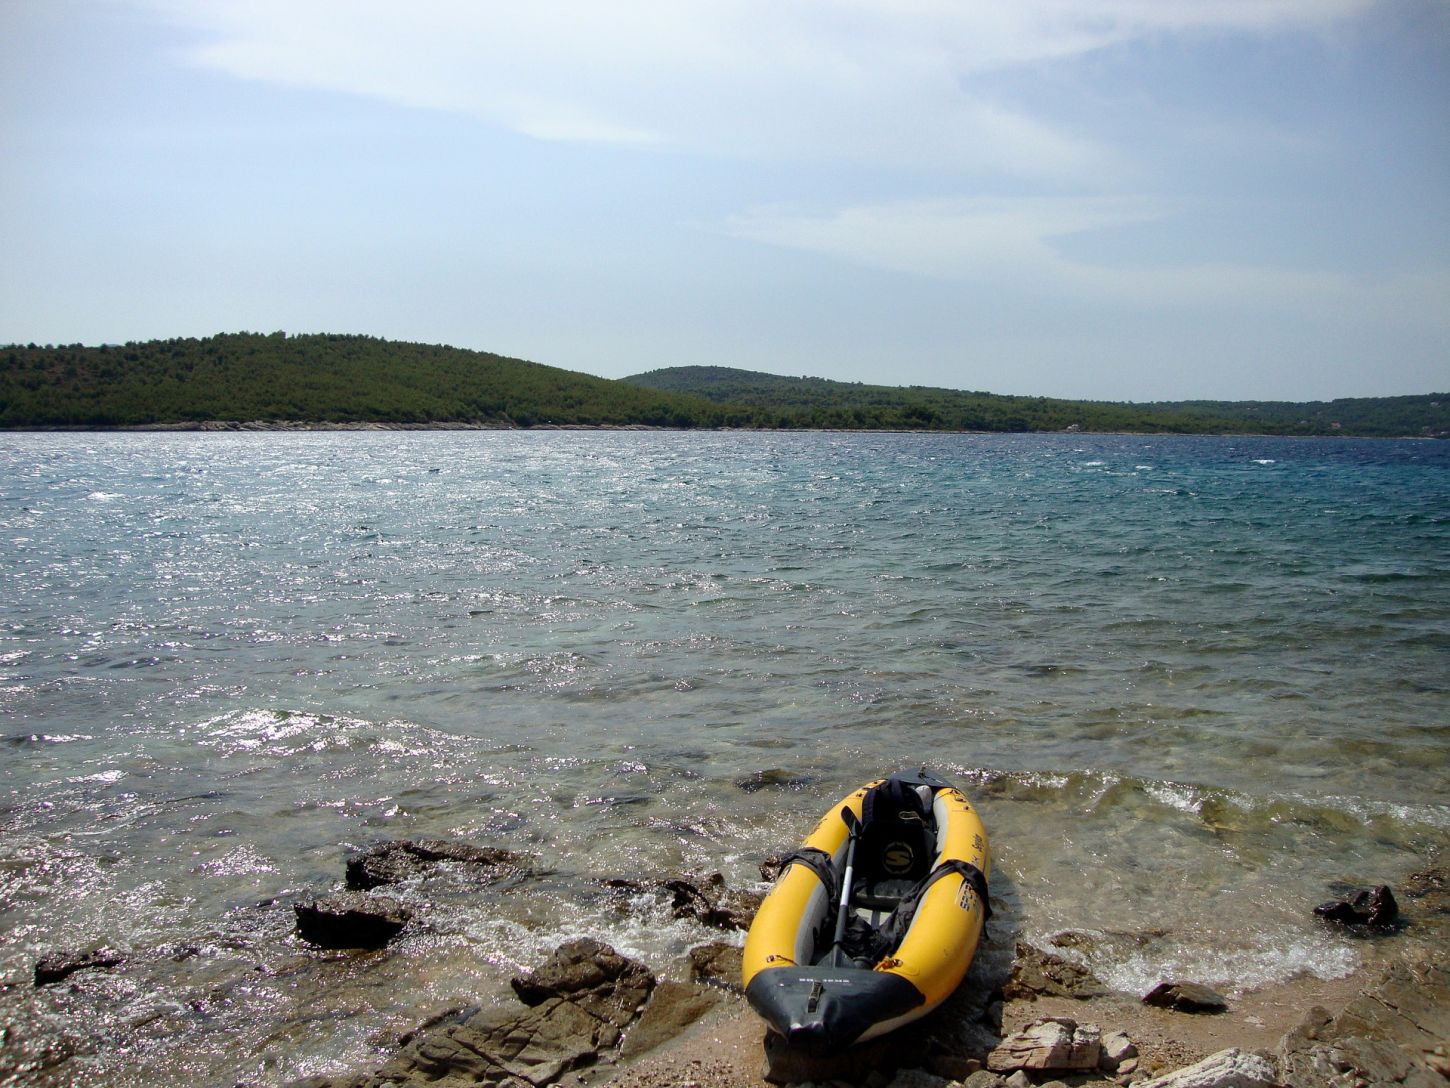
(1011,243)
(885,81)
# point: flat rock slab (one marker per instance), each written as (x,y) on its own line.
(1232,1068)
(581,1002)
(673,1006)
(1050,1045)
(1392,1034)
(1186,997)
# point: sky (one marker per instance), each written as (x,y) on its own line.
(1103,199)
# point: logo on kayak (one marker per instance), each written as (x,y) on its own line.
(896,859)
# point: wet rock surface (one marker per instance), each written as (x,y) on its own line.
(717,963)
(592,976)
(1039,973)
(59,966)
(1372,907)
(1186,997)
(1427,893)
(407,859)
(712,903)
(586,1004)
(351,920)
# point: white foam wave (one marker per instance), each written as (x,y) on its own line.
(1234,970)
(1182,798)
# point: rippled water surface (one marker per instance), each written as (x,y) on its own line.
(1191,683)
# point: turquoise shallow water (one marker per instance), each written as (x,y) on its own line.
(1190,682)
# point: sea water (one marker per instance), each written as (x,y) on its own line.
(1194,685)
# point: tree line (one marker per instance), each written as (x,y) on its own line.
(818,402)
(326,378)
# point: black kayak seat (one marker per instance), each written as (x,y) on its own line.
(896,848)
(882,894)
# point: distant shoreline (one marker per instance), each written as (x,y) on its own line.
(222,426)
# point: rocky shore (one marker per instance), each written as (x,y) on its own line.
(1027,1014)
(590,1016)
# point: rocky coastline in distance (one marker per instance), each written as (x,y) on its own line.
(1026,1015)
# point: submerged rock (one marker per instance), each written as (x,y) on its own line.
(1036,973)
(1373,907)
(774,778)
(402,859)
(1186,997)
(1428,890)
(350,920)
(61,965)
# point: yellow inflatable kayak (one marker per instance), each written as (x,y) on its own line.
(910,858)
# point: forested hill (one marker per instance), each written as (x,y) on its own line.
(323,379)
(316,379)
(818,402)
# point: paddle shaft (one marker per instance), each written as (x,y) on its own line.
(840,937)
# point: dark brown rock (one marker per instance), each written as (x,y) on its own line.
(718,963)
(1036,973)
(1374,907)
(770,868)
(399,860)
(350,920)
(591,975)
(61,965)
(581,1002)
(1186,997)
(712,903)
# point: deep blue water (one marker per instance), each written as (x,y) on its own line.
(1188,680)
